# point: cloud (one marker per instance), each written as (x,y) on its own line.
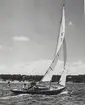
(70,23)
(84,6)
(35,68)
(20,38)
(32,68)
(76,68)
(2,69)
(1,46)
(4,47)
(39,68)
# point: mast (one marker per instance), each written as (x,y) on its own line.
(49,73)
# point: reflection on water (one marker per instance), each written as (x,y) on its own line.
(76,98)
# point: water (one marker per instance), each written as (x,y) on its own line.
(76,98)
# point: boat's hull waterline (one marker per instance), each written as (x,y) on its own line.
(44,92)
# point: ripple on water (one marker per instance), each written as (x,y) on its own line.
(76,98)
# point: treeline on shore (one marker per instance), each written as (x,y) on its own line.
(19,77)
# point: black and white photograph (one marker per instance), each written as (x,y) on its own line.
(42,52)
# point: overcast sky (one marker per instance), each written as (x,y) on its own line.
(28,34)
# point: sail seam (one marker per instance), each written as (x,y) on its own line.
(51,68)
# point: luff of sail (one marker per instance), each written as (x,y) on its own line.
(49,72)
(64,52)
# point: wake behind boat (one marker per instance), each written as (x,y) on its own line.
(36,89)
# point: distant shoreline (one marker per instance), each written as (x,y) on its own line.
(19,77)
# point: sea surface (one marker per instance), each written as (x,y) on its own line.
(76,96)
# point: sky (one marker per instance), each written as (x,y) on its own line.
(84,6)
(28,36)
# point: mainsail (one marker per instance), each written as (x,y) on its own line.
(49,72)
(61,34)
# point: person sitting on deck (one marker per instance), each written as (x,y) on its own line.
(32,85)
(25,86)
(9,83)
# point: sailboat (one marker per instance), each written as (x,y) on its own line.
(61,42)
